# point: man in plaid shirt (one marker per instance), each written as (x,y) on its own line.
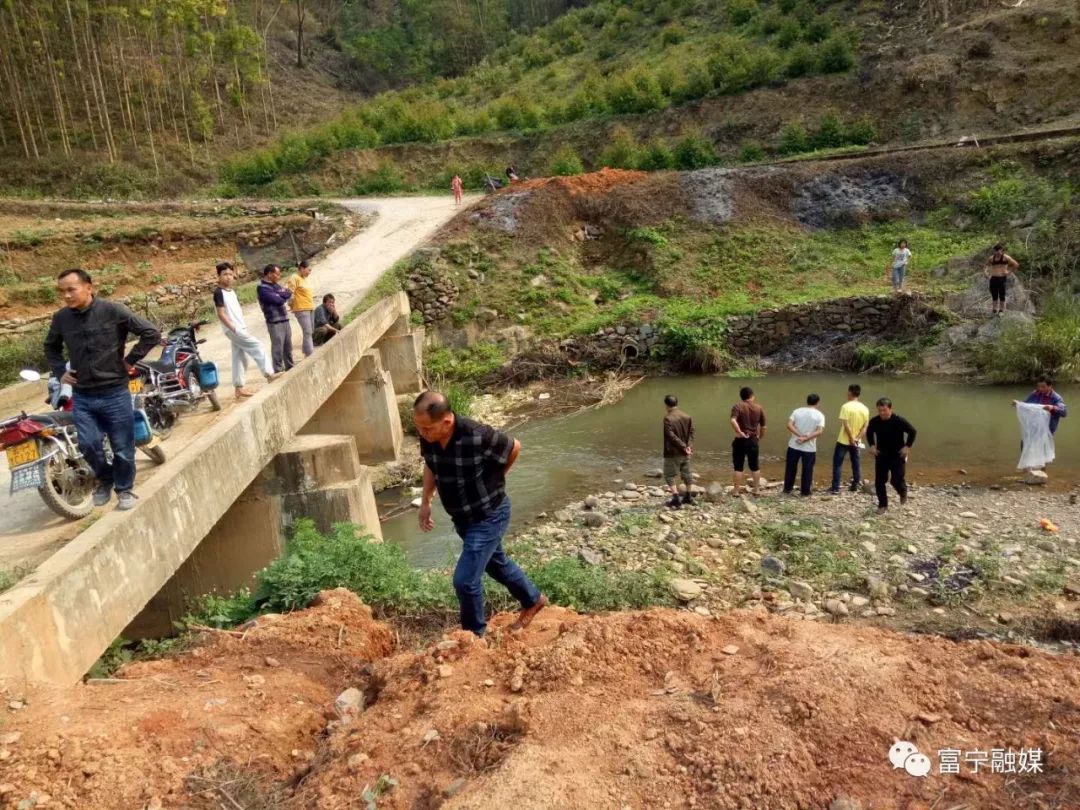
(467,463)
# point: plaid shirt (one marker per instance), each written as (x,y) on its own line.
(470,472)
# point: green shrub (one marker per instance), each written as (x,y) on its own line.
(802,61)
(882,357)
(17,353)
(634,92)
(1051,346)
(793,140)
(1010,198)
(694,82)
(771,22)
(819,30)
(694,152)
(751,152)
(836,55)
(860,132)
(622,152)
(740,12)
(672,35)
(257,169)
(565,162)
(789,34)
(384,180)
(465,365)
(656,156)
(828,134)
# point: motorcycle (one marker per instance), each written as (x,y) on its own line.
(43,453)
(178,380)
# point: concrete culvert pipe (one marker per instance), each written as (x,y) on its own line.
(631,350)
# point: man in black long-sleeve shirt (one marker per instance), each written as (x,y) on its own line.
(95,333)
(890,437)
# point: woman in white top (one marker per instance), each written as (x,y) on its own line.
(901,258)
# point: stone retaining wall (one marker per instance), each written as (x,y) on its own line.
(892,316)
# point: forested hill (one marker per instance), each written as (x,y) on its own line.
(150,93)
(144,98)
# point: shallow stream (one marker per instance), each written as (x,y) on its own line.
(960,427)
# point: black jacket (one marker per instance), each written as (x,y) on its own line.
(889,435)
(95,339)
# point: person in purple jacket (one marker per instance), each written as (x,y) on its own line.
(272,299)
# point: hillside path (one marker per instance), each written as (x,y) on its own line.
(30,532)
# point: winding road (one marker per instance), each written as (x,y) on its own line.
(30,532)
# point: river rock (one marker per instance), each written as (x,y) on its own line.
(877,587)
(746,506)
(657,473)
(685,590)
(715,542)
(868,547)
(801,590)
(590,557)
(591,502)
(836,607)
(1072,588)
(1035,477)
(349,704)
(594,520)
(563,516)
(714,492)
(773,566)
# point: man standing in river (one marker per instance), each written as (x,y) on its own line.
(890,437)
(748,422)
(854,417)
(467,462)
(678,448)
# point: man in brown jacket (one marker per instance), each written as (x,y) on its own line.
(678,441)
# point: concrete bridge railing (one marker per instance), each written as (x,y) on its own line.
(218,511)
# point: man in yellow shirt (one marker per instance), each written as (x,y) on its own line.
(302,304)
(854,417)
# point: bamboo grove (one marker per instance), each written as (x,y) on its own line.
(132,77)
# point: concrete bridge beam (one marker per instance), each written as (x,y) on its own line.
(316,476)
(365,407)
(402,355)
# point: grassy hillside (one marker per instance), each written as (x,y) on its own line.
(690,83)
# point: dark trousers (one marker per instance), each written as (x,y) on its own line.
(839,452)
(98,414)
(281,345)
(482,552)
(793,458)
(886,468)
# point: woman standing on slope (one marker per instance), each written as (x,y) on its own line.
(997,269)
(901,258)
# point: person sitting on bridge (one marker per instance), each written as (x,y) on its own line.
(467,463)
(95,333)
(327,320)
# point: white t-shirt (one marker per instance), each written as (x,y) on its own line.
(901,257)
(228,300)
(806,420)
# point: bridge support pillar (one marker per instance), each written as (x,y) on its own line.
(365,407)
(314,476)
(402,352)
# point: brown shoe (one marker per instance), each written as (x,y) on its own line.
(526,616)
(243,392)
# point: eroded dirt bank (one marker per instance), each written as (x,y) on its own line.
(655,709)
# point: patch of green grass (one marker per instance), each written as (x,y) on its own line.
(10,577)
(1053,345)
(382,577)
(468,365)
(810,553)
(19,352)
(248,293)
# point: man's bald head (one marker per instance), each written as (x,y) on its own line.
(433,417)
(432,404)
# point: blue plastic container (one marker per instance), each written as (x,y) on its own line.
(143,434)
(208,376)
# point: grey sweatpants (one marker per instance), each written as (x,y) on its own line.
(306,319)
(281,345)
(244,346)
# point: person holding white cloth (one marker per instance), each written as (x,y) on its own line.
(244,344)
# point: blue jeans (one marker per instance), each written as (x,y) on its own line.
(898,273)
(107,413)
(839,452)
(791,466)
(482,551)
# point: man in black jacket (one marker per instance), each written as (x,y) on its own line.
(95,333)
(890,437)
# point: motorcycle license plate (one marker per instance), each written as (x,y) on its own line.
(22,454)
(135,385)
(31,476)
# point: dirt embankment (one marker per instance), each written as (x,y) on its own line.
(656,709)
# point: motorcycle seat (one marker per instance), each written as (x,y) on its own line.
(158,366)
(53,417)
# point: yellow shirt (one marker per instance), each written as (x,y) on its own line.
(856,416)
(303,297)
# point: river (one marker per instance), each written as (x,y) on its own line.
(960,427)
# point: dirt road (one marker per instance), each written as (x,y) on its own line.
(30,532)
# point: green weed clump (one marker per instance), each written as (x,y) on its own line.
(1052,345)
(380,574)
(565,162)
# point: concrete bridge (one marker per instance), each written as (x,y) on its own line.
(301,446)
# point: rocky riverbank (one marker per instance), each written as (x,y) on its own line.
(954,559)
